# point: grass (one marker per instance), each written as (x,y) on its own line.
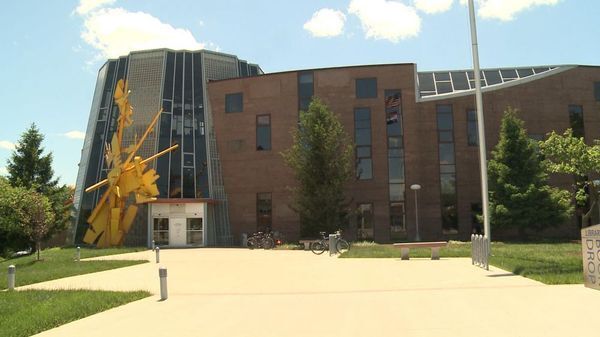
(25,313)
(550,263)
(57,263)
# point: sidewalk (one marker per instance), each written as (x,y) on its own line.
(238,292)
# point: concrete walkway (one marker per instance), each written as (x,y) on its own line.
(238,292)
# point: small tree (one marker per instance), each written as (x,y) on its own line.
(40,219)
(321,158)
(12,213)
(520,196)
(571,155)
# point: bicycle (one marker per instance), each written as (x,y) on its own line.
(261,240)
(322,245)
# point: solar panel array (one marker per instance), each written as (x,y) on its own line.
(445,82)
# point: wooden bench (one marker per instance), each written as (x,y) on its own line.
(435,248)
(307,243)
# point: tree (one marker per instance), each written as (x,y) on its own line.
(29,168)
(40,219)
(321,158)
(571,155)
(520,196)
(12,213)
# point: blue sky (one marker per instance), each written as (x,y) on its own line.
(51,50)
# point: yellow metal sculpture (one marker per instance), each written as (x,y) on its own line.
(111,219)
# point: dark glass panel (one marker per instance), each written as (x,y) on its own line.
(472,136)
(394,142)
(176,133)
(492,77)
(426,82)
(396,192)
(162,162)
(177,94)
(263,138)
(169,72)
(122,68)
(103,114)
(471,75)
(363,151)
(446,153)
(396,219)
(443,87)
(362,114)
(445,136)
(364,168)
(540,70)
(366,88)
(472,84)
(108,85)
(362,124)
(305,84)
(396,170)
(167,105)
(188,159)
(448,184)
(476,221)
(363,137)
(525,72)
(187,88)
(95,154)
(253,70)
(194,224)
(448,168)
(508,73)
(243,69)
(234,102)
(442,76)
(597,91)
(395,152)
(189,187)
(304,103)
(394,128)
(264,211)
(576,119)
(444,121)
(444,108)
(459,79)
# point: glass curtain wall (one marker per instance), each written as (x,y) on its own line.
(393,120)
(445,123)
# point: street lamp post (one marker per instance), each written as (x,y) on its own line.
(416,187)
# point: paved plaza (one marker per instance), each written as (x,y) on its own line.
(238,292)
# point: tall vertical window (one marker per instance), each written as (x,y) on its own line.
(305,89)
(576,120)
(161,231)
(366,87)
(448,202)
(175,181)
(234,102)
(472,136)
(264,212)
(362,139)
(396,183)
(364,221)
(194,231)
(597,91)
(263,132)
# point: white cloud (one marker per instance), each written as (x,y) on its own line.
(3,171)
(5,144)
(433,6)
(116,32)
(74,134)
(86,6)
(326,22)
(505,10)
(388,20)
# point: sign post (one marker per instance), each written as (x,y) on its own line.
(590,251)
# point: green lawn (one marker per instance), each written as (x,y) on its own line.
(550,263)
(60,262)
(25,313)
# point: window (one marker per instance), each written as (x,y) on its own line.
(447,169)
(234,102)
(472,135)
(364,221)
(366,88)
(362,139)
(597,91)
(397,223)
(194,231)
(264,212)
(161,231)
(263,133)
(396,184)
(576,119)
(305,90)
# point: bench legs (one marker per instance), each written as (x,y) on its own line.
(435,253)
(404,252)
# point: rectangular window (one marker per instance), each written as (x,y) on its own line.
(263,132)
(448,201)
(576,120)
(597,91)
(234,102)
(161,231)
(194,231)
(397,223)
(305,89)
(264,212)
(362,139)
(366,87)
(364,221)
(472,136)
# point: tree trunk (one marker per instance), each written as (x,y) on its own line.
(38,245)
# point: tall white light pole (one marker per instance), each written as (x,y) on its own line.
(480,126)
(416,187)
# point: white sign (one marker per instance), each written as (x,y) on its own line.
(590,249)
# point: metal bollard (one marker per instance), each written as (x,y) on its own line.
(162,274)
(332,244)
(157,254)
(11,277)
(153,245)
(78,254)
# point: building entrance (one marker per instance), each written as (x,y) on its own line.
(178,225)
